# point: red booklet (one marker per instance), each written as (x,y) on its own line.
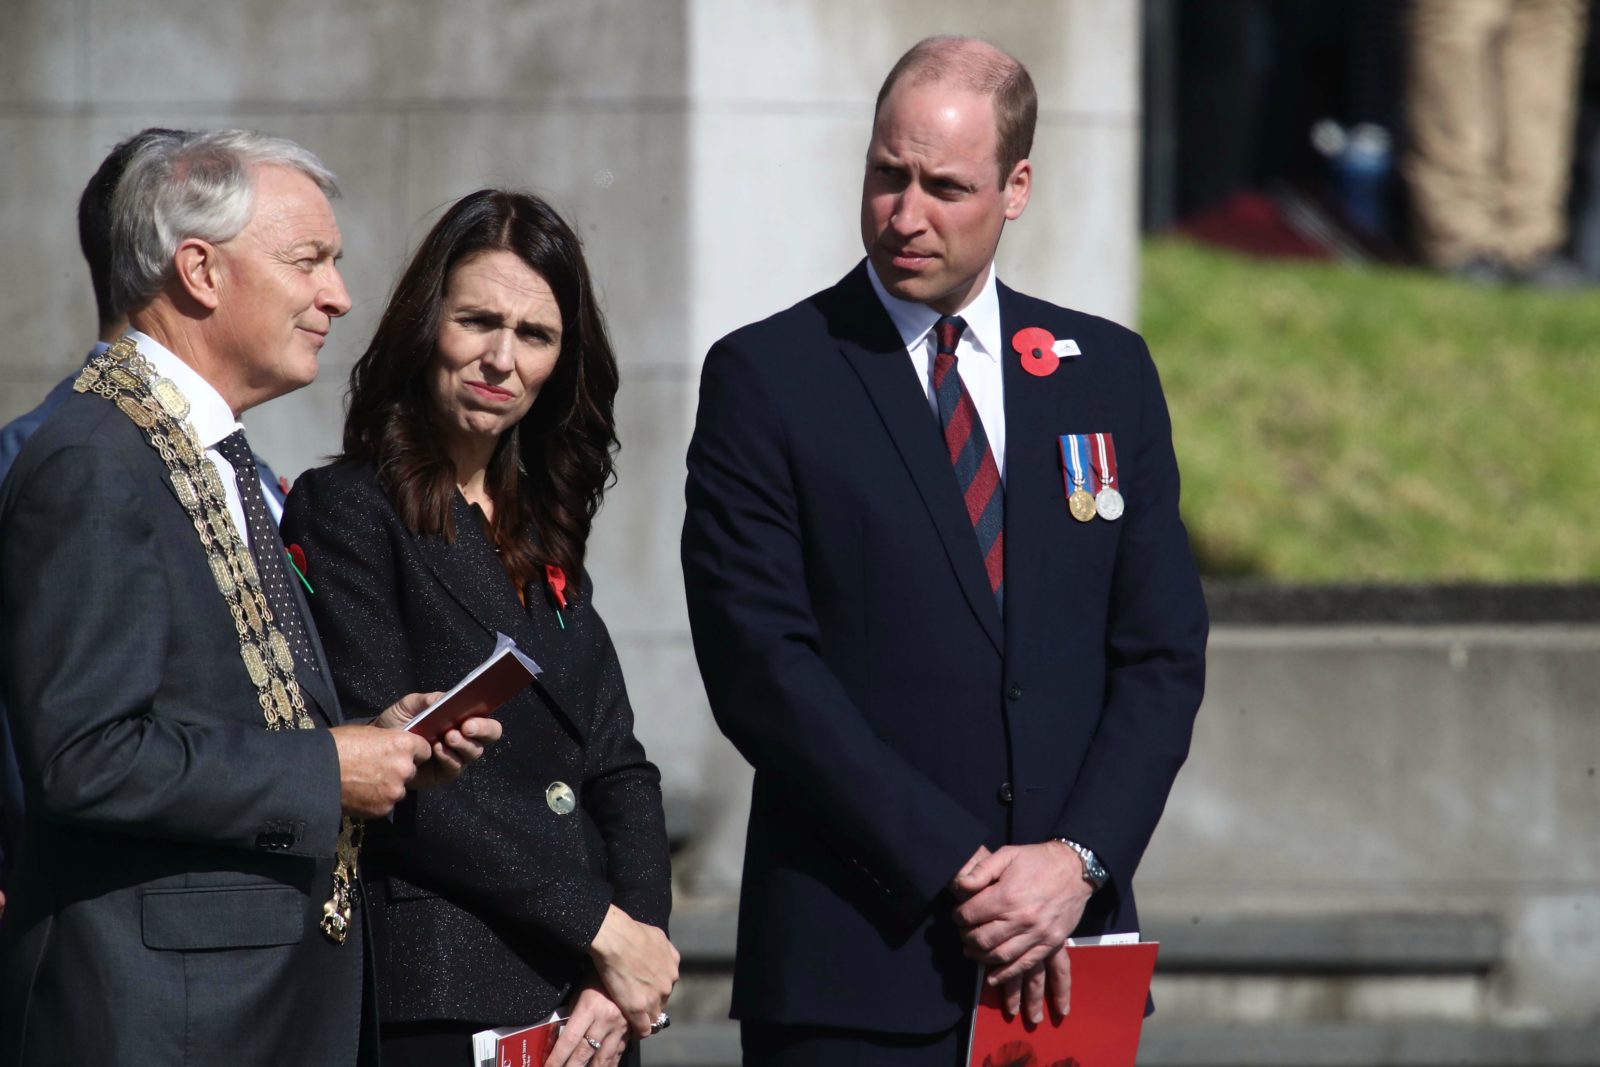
(516,1046)
(491,683)
(1110,987)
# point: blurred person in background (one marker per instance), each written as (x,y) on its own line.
(1492,102)
(477,447)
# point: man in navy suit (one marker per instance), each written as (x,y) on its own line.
(942,600)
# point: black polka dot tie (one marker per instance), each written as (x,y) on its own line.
(267,548)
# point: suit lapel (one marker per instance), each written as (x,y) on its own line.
(471,573)
(1033,472)
(872,347)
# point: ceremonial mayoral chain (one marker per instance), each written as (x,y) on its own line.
(154,404)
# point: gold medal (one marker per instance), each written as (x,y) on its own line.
(1081,504)
(170,398)
(123,378)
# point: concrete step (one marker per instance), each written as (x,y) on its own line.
(1408,1044)
(1334,944)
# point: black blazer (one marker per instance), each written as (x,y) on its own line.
(177,853)
(483,898)
(853,652)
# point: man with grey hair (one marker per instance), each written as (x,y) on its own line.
(942,601)
(94,239)
(187,890)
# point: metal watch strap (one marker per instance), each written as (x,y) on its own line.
(1093,871)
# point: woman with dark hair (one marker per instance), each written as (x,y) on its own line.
(478,444)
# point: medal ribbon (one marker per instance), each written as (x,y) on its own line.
(1074,450)
(1105,469)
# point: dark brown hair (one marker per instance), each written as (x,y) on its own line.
(978,67)
(550,470)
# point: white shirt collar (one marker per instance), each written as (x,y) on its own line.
(209,414)
(914,320)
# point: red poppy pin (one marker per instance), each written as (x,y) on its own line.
(556,579)
(297,560)
(1037,347)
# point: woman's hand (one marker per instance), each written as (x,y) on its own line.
(595,1018)
(452,752)
(638,968)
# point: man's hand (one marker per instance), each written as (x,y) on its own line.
(375,767)
(1024,901)
(594,1015)
(961,883)
(452,752)
(637,965)
(1049,983)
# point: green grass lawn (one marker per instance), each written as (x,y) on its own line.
(1377,424)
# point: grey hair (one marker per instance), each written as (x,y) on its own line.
(185,184)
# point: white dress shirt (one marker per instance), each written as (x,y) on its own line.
(209,414)
(978,354)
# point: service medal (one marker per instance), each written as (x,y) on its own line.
(1108,502)
(1075,472)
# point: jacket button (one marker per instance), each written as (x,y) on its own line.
(1014,693)
(1005,793)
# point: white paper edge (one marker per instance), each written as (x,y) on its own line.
(502,645)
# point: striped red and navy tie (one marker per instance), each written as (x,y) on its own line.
(977,474)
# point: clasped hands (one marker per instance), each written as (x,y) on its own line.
(380,761)
(1018,906)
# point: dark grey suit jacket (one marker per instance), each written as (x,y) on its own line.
(177,854)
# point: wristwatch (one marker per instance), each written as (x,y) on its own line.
(1093,872)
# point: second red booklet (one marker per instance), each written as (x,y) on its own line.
(1110,987)
(516,1046)
(507,672)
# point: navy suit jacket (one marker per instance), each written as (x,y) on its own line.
(853,652)
(13,435)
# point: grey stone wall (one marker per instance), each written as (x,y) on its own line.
(1346,770)
(707,150)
